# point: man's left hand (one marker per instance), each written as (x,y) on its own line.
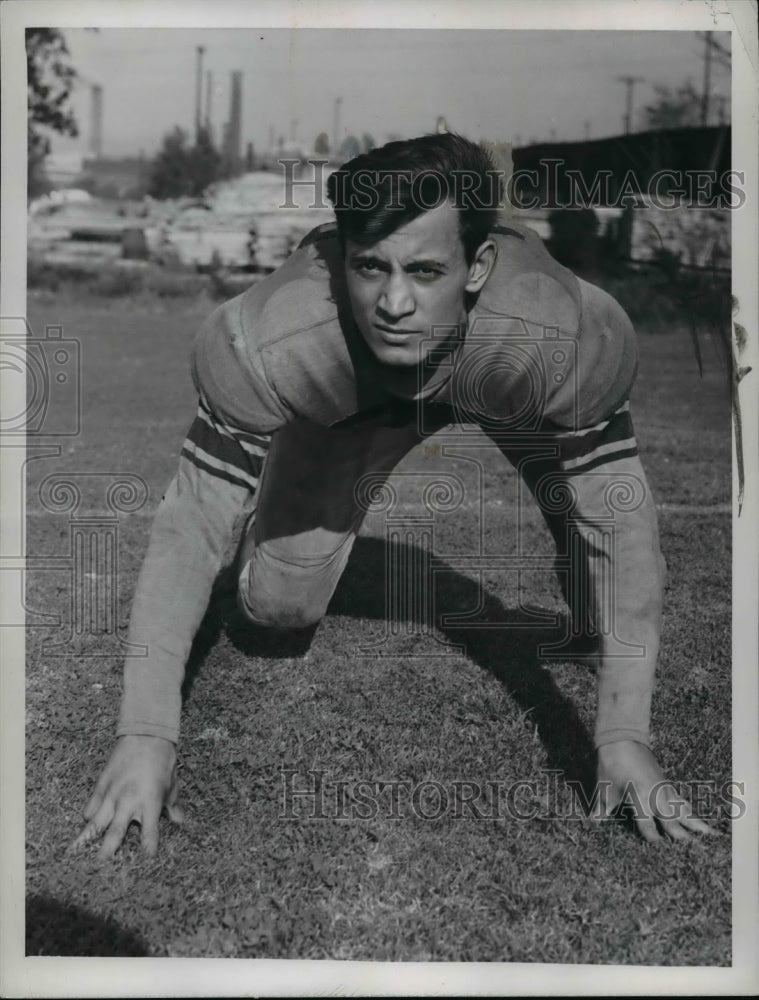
(629,773)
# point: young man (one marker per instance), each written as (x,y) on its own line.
(416,310)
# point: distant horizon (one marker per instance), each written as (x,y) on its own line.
(77,155)
(384,82)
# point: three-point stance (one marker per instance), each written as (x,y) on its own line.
(417,309)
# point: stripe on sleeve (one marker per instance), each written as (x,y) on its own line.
(219,469)
(585,449)
(224,451)
(208,429)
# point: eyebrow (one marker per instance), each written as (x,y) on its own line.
(427,262)
(367,255)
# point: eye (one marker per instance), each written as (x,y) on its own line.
(367,267)
(426,273)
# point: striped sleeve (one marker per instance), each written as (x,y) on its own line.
(224,451)
(612,439)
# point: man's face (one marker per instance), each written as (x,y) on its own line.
(405,287)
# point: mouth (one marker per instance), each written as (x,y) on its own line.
(393,334)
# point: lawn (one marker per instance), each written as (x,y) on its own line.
(253,872)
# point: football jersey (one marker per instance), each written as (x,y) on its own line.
(543,350)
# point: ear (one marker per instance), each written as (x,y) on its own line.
(481,266)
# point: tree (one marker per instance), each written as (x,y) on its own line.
(367,142)
(169,177)
(349,147)
(50,78)
(321,144)
(180,170)
(674,108)
(203,163)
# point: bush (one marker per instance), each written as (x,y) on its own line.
(40,274)
(660,296)
(114,282)
(176,284)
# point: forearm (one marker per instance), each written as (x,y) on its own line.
(190,534)
(629,641)
(626,577)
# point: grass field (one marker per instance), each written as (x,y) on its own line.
(241,879)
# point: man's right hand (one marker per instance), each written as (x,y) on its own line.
(137,782)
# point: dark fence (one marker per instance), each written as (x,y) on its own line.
(689,164)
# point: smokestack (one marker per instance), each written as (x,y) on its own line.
(209,98)
(96,122)
(234,129)
(198,88)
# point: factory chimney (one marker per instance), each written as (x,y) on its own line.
(233,136)
(96,122)
(209,96)
(198,89)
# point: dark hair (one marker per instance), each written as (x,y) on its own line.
(379,191)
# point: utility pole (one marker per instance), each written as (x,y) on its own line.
(198,88)
(707,77)
(630,82)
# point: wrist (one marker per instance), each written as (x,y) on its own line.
(610,751)
(610,737)
(155,729)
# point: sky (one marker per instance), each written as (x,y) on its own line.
(503,85)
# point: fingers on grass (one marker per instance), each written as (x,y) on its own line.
(116,831)
(678,821)
(604,802)
(93,805)
(699,826)
(88,834)
(97,823)
(675,830)
(648,830)
(98,795)
(149,836)
(175,813)
(173,810)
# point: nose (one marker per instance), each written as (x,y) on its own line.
(397,299)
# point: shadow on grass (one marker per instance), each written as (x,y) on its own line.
(55,928)
(509,652)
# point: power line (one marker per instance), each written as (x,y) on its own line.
(630,82)
(707,78)
(722,55)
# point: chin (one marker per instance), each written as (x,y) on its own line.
(397,357)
